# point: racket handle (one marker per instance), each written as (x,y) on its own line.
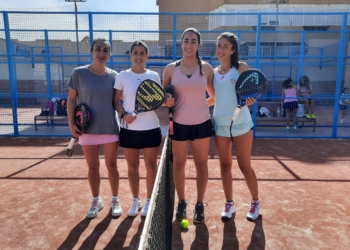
(171,128)
(236,113)
(70,150)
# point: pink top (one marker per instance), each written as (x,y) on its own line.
(190,97)
(291,92)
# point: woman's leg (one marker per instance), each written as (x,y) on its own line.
(294,117)
(180,153)
(111,153)
(243,145)
(224,148)
(307,107)
(200,150)
(150,156)
(287,117)
(91,153)
(132,158)
(312,106)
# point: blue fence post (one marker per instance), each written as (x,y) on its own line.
(47,64)
(12,73)
(91,31)
(257,62)
(174,37)
(301,55)
(339,75)
(111,43)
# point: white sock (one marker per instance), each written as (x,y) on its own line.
(115,198)
(97,198)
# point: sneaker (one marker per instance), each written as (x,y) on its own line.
(229,209)
(135,207)
(342,121)
(312,116)
(307,116)
(295,130)
(96,206)
(116,209)
(253,213)
(145,207)
(181,210)
(286,130)
(198,211)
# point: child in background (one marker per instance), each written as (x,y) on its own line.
(290,103)
(343,104)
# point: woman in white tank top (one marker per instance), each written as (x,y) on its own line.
(225,77)
(189,78)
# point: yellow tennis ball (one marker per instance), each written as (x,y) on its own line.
(185,223)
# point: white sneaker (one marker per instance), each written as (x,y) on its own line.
(229,209)
(342,120)
(96,206)
(135,207)
(145,207)
(253,212)
(116,209)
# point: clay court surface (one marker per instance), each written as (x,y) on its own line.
(304,186)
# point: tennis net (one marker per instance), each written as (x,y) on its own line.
(157,230)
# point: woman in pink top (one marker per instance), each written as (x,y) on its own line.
(290,103)
(190,78)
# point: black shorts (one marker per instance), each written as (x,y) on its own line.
(343,107)
(140,139)
(290,105)
(192,132)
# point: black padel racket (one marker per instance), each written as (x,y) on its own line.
(82,118)
(149,96)
(171,124)
(251,83)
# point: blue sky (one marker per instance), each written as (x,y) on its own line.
(89,5)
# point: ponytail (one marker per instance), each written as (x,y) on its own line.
(199,62)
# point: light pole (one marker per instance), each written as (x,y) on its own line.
(76,24)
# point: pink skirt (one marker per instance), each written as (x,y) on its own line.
(91,139)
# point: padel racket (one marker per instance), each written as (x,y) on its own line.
(82,118)
(251,83)
(171,124)
(149,96)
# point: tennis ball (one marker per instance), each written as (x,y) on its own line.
(185,223)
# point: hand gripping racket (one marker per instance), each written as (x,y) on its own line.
(149,96)
(171,124)
(251,83)
(82,118)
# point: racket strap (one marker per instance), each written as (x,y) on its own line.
(231,131)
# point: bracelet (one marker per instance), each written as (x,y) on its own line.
(122,115)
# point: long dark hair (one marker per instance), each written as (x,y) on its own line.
(102,40)
(234,42)
(305,81)
(195,31)
(287,84)
(139,43)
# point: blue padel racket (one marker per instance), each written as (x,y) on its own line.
(251,83)
(82,117)
(149,96)
(171,124)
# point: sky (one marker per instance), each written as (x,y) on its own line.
(89,5)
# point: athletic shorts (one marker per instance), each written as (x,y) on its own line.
(92,139)
(290,105)
(343,107)
(192,132)
(140,139)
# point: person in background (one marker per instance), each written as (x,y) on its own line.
(93,85)
(304,89)
(289,91)
(344,104)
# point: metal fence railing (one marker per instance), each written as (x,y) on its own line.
(39,50)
